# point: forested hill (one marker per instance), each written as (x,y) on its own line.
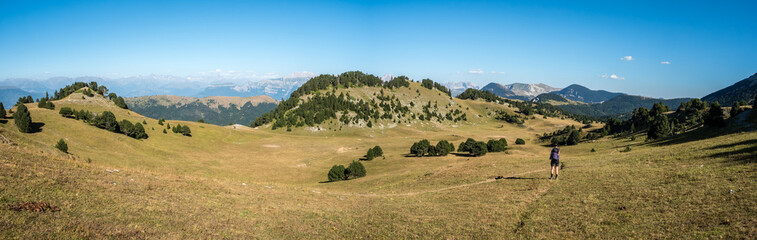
(744,90)
(214,110)
(356,99)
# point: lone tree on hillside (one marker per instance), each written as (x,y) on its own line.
(337,173)
(23,119)
(715,116)
(520,141)
(62,146)
(2,111)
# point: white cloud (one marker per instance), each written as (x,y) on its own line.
(476,71)
(665,62)
(626,58)
(495,72)
(613,76)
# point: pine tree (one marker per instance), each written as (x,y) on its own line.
(186,131)
(23,119)
(660,128)
(2,111)
(715,116)
(573,138)
(62,146)
(139,131)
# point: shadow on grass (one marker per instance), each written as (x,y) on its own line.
(747,154)
(3,121)
(463,154)
(523,178)
(37,127)
(691,136)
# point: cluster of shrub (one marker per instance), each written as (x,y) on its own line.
(339,172)
(569,135)
(525,107)
(471,146)
(297,112)
(107,120)
(428,83)
(424,148)
(510,118)
(184,130)
(374,153)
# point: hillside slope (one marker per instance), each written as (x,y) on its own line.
(214,110)
(744,90)
(620,105)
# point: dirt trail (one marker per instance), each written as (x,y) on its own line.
(458,186)
(432,190)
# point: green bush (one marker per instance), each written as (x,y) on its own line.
(478,149)
(496,145)
(373,153)
(420,148)
(62,146)
(520,141)
(107,121)
(336,173)
(23,119)
(444,147)
(355,170)
(67,112)
(466,146)
(592,150)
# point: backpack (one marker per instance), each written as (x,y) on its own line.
(555,154)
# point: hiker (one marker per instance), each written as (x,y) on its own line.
(554,162)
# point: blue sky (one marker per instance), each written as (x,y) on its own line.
(708,45)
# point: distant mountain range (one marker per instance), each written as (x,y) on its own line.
(214,110)
(580,93)
(456,88)
(277,88)
(519,91)
(744,90)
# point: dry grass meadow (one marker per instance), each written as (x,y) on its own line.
(242,183)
